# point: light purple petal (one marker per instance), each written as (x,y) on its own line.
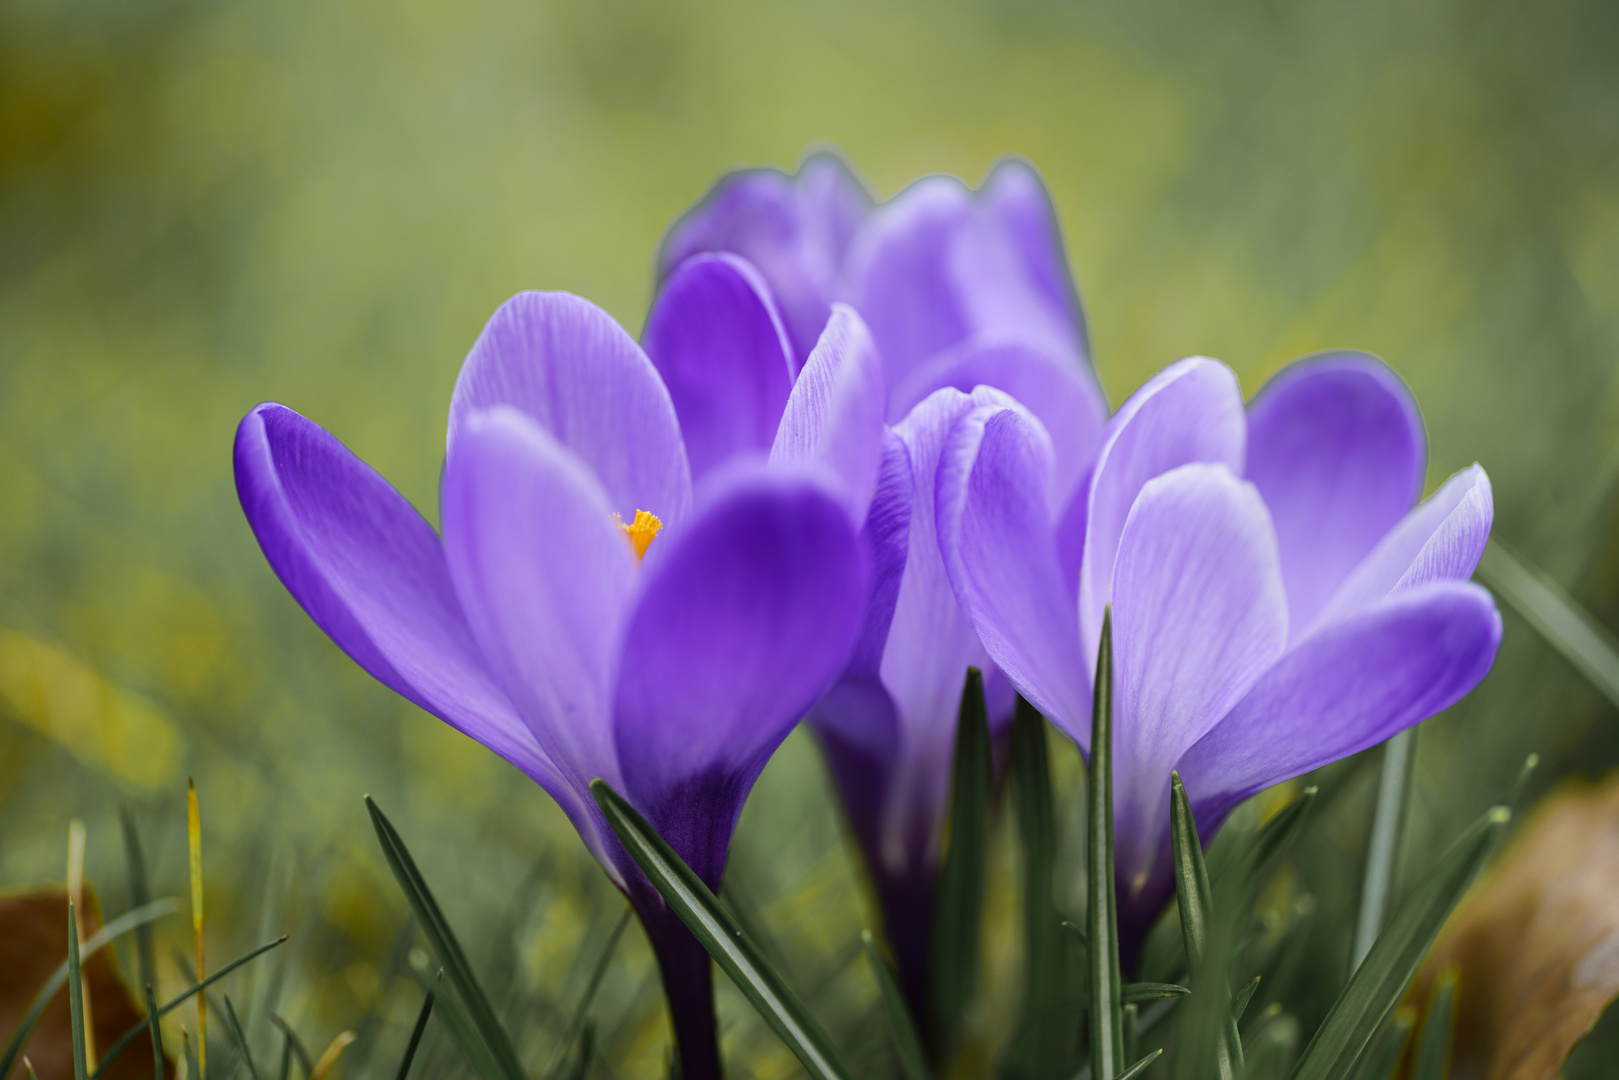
(794,229)
(1441,540)
(886,538)
(575,372)
(371,573)
(746,622)
(1061,395)
(1349,687)
(939,265)
(716,340)
(1016,198)
(1199,613)
(1336,447)
(1189,412)
(545,577)
(997,538)
(834,418)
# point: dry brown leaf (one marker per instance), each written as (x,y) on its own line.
(33,944)
(1536,941)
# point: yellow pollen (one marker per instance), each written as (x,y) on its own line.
(640,531)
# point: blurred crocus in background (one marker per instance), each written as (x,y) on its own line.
(1277,602)
(954,289)
(589,613)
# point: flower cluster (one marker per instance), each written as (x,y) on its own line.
(858,449)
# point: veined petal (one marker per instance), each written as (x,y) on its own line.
(715,338)
(545,577)
(834,418)
(998,541)
(371,573)
(1191,411)
(938,265)
(886,538)
(1199,614)
(794,229)
(1060,394)
(574,371)
(1441,540)
(746,622)
(1336,447)
(1350,686)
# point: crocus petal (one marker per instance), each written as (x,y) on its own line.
(887,541)
(794,229)
(716,340)
(936,266)
(1199,613)
(748,619)
(572,369)
(1336,447)
(1349,687)
(545,577)
(1061,395)
(371,573)
(1191,411)
(1441,540)
(998,541)
(834,418)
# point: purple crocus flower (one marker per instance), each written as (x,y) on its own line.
(954,290)
(588,613)
(1278,604)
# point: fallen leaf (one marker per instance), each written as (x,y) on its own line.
(33,944)
(1536,941)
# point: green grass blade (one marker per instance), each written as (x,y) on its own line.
(1565,624)
(36,1008)
(1239,1004)
(75,995)
(1045,975)
(1438,1025)
(175,1002)
(439,935)
(159,1066)
(1136,993)
(421,1026)
(1382,1062)
(1102,915)
(140,894)
(1259,860)
(906,1042)
(464,1033)
(582,1010)
(1393,791)
(241,1038)
(958,904)
(1375,989)
(286,1056)
(1139,1067)
(294,1045)
(1195,898)
(720,933)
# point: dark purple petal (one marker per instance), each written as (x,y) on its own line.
(795,229)
(1199,614)
(1348,687)
(937,266)
(1441,540)
(714,337)
(734,635)
(834,419)
(1336,447)
(573,370)
(1191,411)
(371,573)
(886,538)
(997,538)
(1061,395)
(545,577)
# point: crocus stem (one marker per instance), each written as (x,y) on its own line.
(1399,753)
(688,986)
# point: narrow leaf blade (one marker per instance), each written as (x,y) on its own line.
(1570,629)
(421,1026)
(720,933)
(1375,989)
(1102,916)
(1195,898)
(906,1042)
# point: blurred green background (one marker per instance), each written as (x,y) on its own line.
(204,205)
